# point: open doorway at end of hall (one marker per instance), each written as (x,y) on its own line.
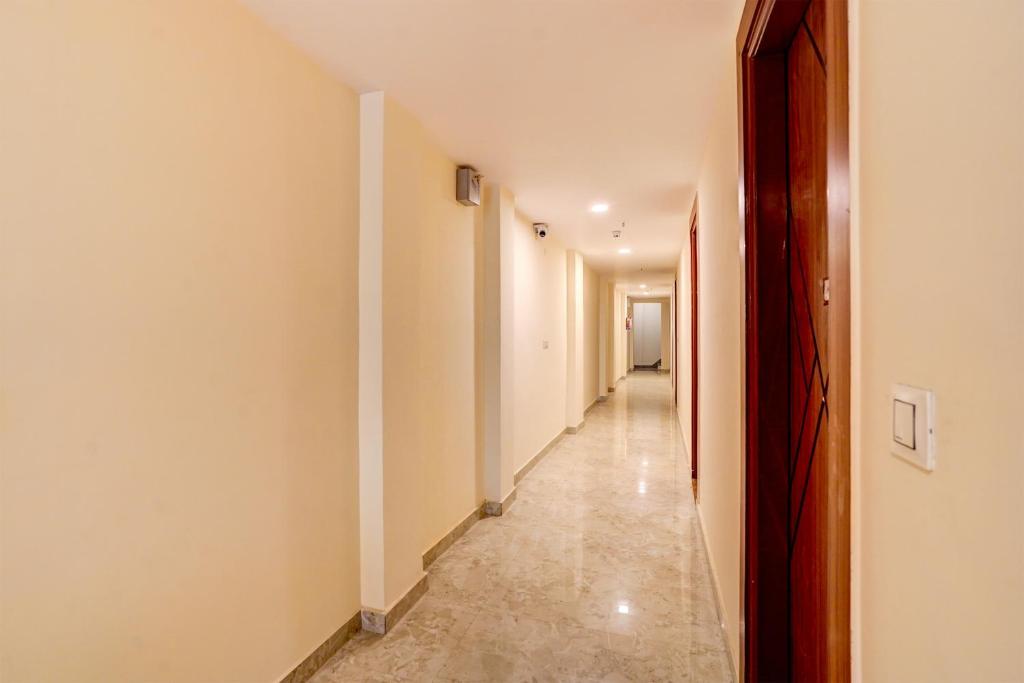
(649,336)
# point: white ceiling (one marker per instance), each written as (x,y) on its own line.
(646,283)
(566,102)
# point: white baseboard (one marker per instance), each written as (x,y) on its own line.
(716,587)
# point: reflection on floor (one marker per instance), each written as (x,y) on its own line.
(597,573)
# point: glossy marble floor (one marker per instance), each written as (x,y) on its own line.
(596,573)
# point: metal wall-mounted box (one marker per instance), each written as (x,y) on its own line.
(467,186)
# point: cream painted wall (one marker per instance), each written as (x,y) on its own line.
(591,296)
(429,349)
(178,221)
(941,242)
(720,328)
(540,316)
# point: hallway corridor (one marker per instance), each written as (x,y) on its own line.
(597,573)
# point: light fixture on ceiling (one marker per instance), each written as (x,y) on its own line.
(625,250)
(600,207)
(643,286)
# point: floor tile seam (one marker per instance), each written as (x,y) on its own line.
(499,651)
(457,644)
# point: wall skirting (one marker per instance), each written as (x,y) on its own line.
(455,534)
(495,509)
(381,622)
(719,605)
(318,657)
(532,462)
(376,621)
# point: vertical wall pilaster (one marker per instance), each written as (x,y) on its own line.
(602,338)
(371,350)
(574,341)
(498,341)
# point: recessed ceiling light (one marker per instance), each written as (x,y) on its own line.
(625,250)
(600,207)
(643,286)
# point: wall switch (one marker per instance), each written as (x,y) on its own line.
(913,425)
(903,417)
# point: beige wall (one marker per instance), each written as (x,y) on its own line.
(540,316)
(178,221)
(590,335)
(941,240)
(720,380)
(429,351)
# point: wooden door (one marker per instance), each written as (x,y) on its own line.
(808,360)
(793,80)
(694,341)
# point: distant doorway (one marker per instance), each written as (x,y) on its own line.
(646,336)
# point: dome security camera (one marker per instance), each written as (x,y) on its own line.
(541,230)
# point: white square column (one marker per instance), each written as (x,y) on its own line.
(602,339)
(498,346)
(371,350)
(574,341)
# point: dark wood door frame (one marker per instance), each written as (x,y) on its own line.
(766,30)
(694,340)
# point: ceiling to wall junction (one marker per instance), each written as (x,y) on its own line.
(646,283)
(566,102)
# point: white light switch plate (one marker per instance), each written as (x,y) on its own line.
(912,416)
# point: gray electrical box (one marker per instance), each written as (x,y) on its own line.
(467,186)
